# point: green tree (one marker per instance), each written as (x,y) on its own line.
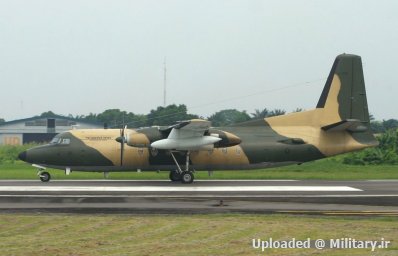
(2,120)
(115,118)
(377,127)
(298,110)
(228,117)
(268,113)
(385,153)
(169,115)
(277,112)
(383,126)
(260,113)
(90,117)
(390,124)
(48,114)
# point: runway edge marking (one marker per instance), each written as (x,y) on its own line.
(178,189)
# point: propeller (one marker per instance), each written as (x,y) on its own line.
(121,139)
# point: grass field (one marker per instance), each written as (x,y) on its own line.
(330,169)
(50,234)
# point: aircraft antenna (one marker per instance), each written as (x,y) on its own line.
(164,82)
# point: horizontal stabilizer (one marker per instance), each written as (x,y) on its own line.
(351,125)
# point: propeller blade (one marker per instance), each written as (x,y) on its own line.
(121,153)
(122,140)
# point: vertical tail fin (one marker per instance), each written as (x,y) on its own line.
(346,79)
(340,122)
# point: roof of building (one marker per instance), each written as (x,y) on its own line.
(51,117)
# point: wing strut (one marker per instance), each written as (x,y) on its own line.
(175,160)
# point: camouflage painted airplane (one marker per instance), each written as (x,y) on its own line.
(338,124)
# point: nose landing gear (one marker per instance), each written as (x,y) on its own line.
(44,176)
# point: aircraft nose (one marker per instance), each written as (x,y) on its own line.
(22,156)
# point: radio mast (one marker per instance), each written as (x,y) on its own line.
(164,83)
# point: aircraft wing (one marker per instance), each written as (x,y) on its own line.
(191,128)
(188,135)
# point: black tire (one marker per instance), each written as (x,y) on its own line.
(174,176)
(187,177)
(45,177)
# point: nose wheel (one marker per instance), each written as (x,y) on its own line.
(44,176)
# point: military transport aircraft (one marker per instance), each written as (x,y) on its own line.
(338,124)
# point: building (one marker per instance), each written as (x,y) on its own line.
(40,129)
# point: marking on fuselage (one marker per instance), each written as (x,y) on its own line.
(98,138)
(179,188)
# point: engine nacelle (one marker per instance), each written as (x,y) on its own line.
(135,139)
(227,139)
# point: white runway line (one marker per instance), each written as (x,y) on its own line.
(105,180)
(176,188)
(382,180)
(197,196)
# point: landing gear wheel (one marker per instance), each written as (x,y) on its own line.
(187,177)
(45,176)
(175,176)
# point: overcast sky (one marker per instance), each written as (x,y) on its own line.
(77,57)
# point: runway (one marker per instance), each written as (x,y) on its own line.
(368,197)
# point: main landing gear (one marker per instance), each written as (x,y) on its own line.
(185,176)
(44,176)
(175,175)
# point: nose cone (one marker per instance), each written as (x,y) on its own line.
(22,156)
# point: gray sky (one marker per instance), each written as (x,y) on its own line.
(82,56)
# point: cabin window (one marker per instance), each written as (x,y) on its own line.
(154,151)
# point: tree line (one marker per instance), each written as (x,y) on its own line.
(116,118)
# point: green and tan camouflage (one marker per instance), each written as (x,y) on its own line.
(338,124)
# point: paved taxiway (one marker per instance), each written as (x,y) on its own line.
(369,197)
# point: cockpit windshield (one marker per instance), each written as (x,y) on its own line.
(55,140)
(59,140)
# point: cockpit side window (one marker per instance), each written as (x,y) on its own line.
(65,141)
